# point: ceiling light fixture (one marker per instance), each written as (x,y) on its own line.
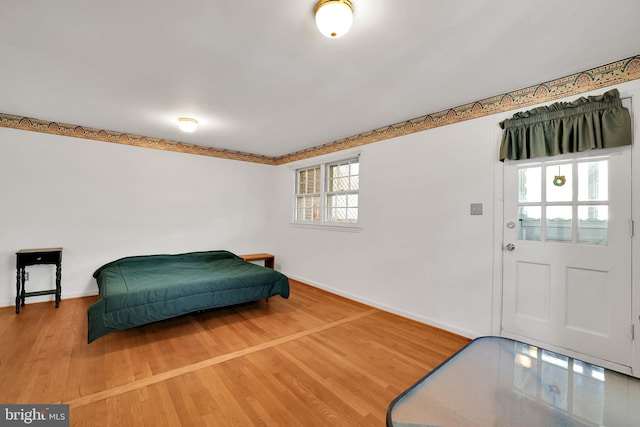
(334,17)
(187,124)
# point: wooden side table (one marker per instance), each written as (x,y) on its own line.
(27,257)
(269,260)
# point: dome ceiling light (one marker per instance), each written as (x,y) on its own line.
(334,17)
(187,124)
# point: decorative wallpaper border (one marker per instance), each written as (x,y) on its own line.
(64,129)
(607,75)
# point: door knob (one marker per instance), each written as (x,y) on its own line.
(510,247)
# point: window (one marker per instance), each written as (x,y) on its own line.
(328,193)
(553,195)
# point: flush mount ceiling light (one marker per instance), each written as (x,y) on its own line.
(187,124)
(334,17)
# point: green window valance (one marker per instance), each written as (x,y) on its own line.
(567,127)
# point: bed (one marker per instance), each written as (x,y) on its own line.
(142,289)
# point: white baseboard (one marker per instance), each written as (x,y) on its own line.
(388,308)
(358,298)
(43,298)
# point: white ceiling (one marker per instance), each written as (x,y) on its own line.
(261,79)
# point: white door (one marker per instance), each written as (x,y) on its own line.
(567,255)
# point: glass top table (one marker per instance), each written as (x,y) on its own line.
(500,382)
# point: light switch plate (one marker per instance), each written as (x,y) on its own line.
(476,209)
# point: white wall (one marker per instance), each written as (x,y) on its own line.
(420,253)
(103,201)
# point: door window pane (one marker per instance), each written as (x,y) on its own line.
(529,185)
(564,202)
(593,182)
(559,183)
(530,218)
(593,224)
(559,224)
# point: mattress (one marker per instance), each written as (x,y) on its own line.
(142,289)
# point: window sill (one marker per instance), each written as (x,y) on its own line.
(350,228)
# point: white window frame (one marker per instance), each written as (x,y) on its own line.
(324,222)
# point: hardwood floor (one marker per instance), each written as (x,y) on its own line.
(315,359)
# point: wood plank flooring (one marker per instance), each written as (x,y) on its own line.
(315,359)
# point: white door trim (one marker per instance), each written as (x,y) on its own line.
(498,235)
(635,241)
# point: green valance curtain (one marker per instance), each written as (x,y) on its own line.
(567,127)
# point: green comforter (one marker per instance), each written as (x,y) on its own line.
(143,289)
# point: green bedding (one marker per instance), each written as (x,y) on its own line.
(144,289)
